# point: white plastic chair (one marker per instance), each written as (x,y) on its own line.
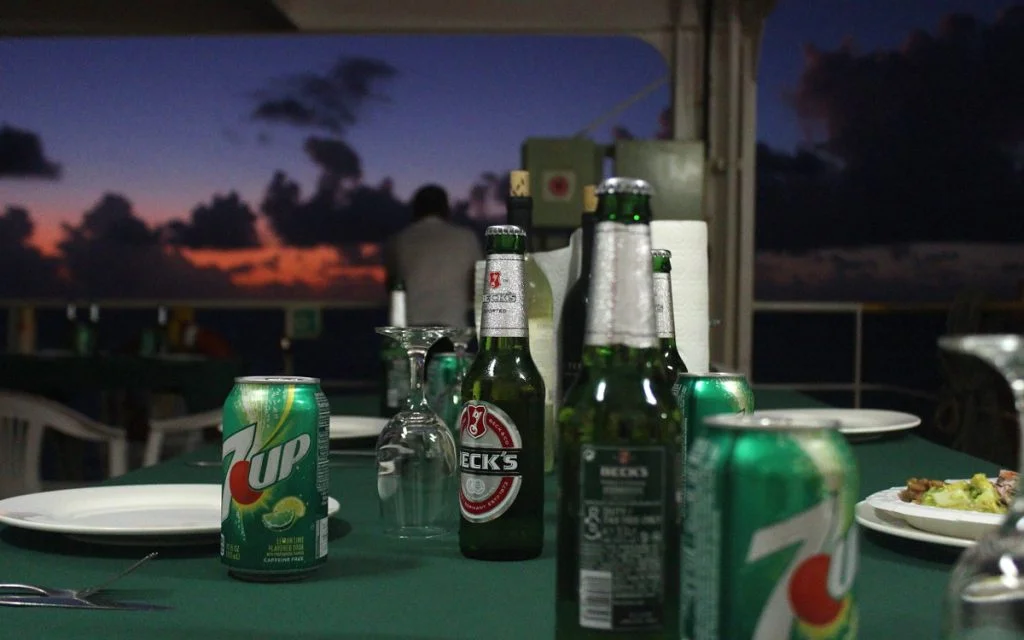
(159,429)
(23,419)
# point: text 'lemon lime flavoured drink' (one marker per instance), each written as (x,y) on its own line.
(274,504)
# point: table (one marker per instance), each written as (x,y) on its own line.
(374,588)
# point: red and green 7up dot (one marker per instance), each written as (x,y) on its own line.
(770,546)
(274,504)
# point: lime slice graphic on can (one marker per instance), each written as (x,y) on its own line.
(291,504)
(278,520)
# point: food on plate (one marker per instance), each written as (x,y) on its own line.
(977,494)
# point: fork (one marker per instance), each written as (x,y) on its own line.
(28,594)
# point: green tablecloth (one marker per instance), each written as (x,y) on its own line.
(374,588)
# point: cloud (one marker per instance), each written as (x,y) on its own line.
(923,142)
(27,272)
(334,157)
(227,222)
(485,203)
(355,215)
(328,101)
(113,253)
(22,155)
(904,273)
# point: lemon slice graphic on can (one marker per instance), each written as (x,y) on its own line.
(278,520)
(291,504)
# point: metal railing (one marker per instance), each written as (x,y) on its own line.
(857,386)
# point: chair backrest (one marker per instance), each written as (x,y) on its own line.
(193,422)
(23,419)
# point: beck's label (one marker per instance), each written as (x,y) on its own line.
(664,323)
(489,474)
(504,297)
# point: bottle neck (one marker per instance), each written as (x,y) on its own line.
(664,320)
(503,323)
(587,238)
(621,309)
(520,213)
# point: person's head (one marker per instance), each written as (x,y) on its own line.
(430,200)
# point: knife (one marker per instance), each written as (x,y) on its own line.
(75,603)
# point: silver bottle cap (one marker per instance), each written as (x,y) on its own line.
(504,230)
(625,185)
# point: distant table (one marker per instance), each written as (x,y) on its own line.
(202,382)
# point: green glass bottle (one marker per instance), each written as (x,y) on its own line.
(574,308)
(501,427)
(620,475)
(664,319)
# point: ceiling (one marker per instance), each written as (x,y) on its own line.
(184,17)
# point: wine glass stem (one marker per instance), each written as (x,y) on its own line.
(417,400)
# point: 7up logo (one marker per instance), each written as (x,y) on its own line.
(253,470)
(814,590)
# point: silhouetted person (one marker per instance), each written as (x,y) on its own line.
(434,258)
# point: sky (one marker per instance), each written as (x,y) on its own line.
(165,121)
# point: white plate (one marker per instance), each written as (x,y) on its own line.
(957,523)
(131,510)
(870,518)
(348,427)
(854,422)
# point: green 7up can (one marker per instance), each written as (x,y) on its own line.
(274,504)
(770,546)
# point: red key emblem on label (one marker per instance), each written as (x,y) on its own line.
(495,279)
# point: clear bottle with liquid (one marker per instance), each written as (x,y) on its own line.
(394,362)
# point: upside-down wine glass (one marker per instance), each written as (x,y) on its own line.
(416,464)
(985,596)
(448,404)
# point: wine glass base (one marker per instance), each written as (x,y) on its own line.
(417,533)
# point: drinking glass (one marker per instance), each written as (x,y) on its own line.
(448,405)
(416,465)
(985,596)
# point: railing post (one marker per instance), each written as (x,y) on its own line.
(858,342)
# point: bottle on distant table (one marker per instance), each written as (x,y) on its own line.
(72,329)
(501,427)
(394,360)
(540,309)
(93,329)
(163,339)
(574,308)
(664,319)
(620,475)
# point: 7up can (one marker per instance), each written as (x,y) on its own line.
(770,545)
(274,503)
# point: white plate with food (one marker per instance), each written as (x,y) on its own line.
(159,510)
(965,509)
(854,422)
(349,427)
(883,522)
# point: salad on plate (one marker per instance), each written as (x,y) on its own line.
(979,494)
